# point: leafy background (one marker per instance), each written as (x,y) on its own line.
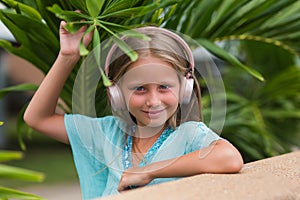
(256,40)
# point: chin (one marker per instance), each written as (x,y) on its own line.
(155,123)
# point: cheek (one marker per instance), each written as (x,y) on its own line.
(134,101)
(171,98)
(129,98)
(173,95)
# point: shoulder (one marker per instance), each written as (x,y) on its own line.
(193,127)
(78,119)
(92,132)
(88,118)
(197,134)
(77,123)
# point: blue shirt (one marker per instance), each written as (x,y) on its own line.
(97,146)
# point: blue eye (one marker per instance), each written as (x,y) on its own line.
(140,88)
(164,87)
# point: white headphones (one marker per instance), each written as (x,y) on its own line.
(116,97)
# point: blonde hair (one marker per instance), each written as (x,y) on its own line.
(169,50)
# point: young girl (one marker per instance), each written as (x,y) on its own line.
(152,136)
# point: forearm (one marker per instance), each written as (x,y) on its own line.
(44,101)
(220,157)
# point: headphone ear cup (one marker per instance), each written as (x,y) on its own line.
(186,90)
(116,98)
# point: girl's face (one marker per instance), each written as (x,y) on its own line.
(151,90)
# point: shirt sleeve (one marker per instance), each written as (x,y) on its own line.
(87,158)
(198,136)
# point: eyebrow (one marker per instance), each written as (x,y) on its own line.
(141,83)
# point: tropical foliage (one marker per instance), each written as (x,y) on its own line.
(263,117)
(209,22)
(9,172)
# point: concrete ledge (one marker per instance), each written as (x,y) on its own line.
(273,178)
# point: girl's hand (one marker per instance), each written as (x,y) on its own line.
(69,42)
(134,177)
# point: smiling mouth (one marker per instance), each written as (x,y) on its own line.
(154,113)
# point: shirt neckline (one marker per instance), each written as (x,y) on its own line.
(127,149)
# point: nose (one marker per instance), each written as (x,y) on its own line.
(153,99)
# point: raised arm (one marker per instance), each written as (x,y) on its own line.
(40,113)
(219,157)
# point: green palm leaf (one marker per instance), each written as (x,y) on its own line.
(17,88)
(7,193)
(20,173)
(10,155)
(218,20)
(9,172)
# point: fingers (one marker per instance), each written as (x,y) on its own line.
(81,32)
(87,38)
(63,24)
(130,187)
(125,185)
(134,178)
(62,27)
(128,181)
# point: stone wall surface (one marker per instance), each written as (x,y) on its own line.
(273,178)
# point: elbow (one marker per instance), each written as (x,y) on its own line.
(228,158)
(233,161)
(235,166)
(29,119)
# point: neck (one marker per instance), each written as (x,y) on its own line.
(145,132)
(145,137)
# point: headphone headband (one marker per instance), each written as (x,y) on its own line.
(186,48)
